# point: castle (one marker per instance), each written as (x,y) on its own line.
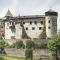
(25,27)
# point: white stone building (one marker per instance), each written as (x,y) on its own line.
(30,26)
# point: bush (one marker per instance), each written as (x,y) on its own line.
(29,44)
(43,46)
(3,44)
(40,46)
(1,58)
(18,45)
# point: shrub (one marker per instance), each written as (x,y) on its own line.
(18,45)
(40,46)
(29,44)
(3,44)
(1,58)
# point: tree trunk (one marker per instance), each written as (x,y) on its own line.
(56,55)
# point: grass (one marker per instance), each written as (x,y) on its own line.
(13,58)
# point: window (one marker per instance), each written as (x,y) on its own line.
(10,22)
(35,22)
(23,22)
(7,23)
(41,22)
(49,27)
(30,22)
(1,26)
(15,22)
(49,21)
(33,28)
(40,28)
(27,28)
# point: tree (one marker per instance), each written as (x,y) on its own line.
(54,44)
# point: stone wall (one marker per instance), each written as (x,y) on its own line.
(41,54)
(15,52)
(37,54)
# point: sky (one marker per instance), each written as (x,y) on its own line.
(30,7)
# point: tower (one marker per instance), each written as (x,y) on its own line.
(51,23)
(8,14)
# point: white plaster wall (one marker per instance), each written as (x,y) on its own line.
(8,32)
(33,33)
(18,33)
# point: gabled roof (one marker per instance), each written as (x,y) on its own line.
(8,14)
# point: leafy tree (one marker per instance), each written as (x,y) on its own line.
(18,45)
(54,44)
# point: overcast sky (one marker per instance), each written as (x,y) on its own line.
(29,7)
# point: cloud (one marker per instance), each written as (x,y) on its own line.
(13,6)
(14,3)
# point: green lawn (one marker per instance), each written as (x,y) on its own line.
(13,58)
